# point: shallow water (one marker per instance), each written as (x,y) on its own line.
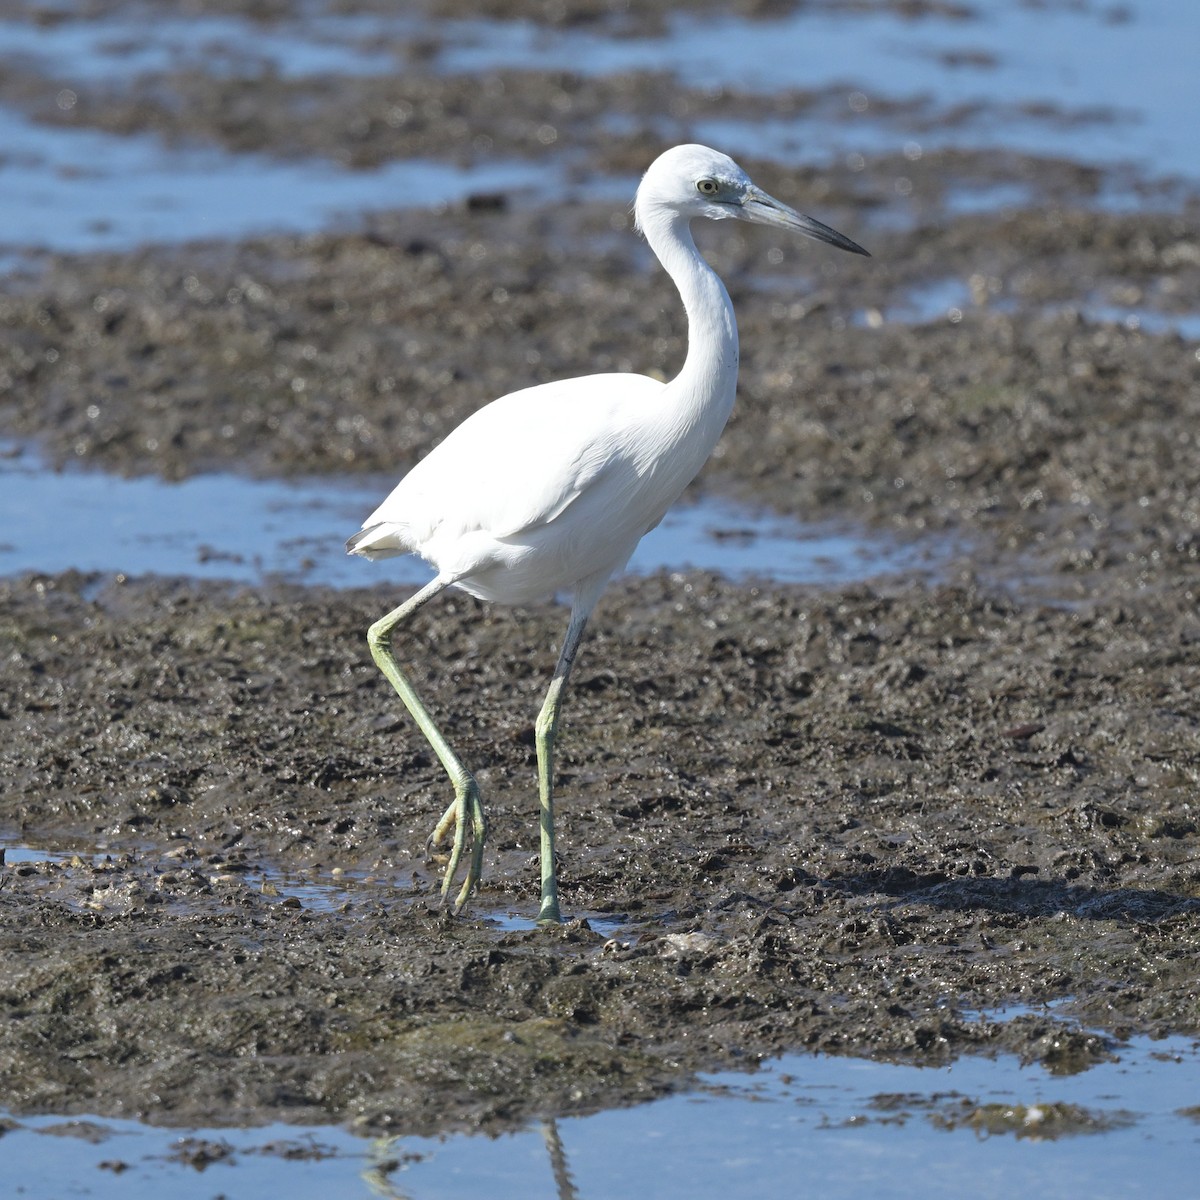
(1101,86)
(83,189)
(231,527)
(316,889)
(950,297)
(1089,82)
(114,47)
(1115,78)
(846,1127)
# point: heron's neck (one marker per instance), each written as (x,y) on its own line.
(708,379)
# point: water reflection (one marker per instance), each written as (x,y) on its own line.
(563,1183)
(387,1157)
(851,1129)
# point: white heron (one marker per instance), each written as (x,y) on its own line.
(550,489)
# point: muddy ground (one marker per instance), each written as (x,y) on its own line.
(860,821)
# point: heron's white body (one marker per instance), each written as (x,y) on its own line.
(550,488)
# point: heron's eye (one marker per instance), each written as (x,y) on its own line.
(708,187)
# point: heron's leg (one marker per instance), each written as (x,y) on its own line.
(468,805)
(546,729)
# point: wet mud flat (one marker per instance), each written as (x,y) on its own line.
(850,820)
(1030,372)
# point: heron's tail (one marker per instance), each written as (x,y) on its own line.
(377,541)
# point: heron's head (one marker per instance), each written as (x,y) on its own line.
(694,181)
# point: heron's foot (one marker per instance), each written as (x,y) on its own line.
(465,814)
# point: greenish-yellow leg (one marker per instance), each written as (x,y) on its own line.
(546,730)
(467,808)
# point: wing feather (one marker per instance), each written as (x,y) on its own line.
(516,464)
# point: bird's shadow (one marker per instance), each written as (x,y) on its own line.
(1017,895)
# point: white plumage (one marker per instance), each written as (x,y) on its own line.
(502,523)
(550,489)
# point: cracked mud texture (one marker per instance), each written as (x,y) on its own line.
(848,820)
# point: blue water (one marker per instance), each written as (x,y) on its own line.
(948,298)
(231,527)
(1119,80)
(1070,80)
(113,48)
(805,1125)
(82,189)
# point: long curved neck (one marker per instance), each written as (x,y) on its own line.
(708,381)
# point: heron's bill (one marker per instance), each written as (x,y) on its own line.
(766,210)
